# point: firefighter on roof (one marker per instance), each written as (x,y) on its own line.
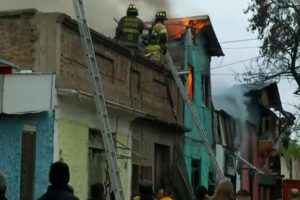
(129,28)
(158,37)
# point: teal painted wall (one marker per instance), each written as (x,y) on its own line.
(194,149)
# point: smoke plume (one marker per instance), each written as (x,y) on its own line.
(100,13)
(234,102)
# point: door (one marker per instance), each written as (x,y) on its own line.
(28,162)
(162,165)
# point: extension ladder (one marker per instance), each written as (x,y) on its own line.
(93,70)
(194,115)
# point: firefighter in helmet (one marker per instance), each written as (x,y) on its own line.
(129,28)
(158,38)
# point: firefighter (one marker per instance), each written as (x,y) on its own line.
(158,37)
(129,28)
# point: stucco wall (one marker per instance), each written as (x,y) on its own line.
(124,161)
(75,117)
(10,150)
(73,142)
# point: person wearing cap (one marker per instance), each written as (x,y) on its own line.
(130,28)
(3,186)
(59,177)
(294,194)
(156,43)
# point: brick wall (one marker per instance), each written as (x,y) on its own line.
(17,35)
(50,42)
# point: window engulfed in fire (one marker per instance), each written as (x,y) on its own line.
(177,26)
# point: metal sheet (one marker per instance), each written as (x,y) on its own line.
(27,93)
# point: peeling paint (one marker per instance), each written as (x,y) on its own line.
(10,150)
(73,142)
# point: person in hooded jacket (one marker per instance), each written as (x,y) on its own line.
(59,177)
(3,187)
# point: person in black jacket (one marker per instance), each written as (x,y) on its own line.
(97,192)
(59,177)
(3,187)
(200,192)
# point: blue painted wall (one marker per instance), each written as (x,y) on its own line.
(194,148)
(10,150)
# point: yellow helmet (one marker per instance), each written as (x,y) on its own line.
(132,9)
(161,15)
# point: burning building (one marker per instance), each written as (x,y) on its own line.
(261,123)
(192,44)
(148,131)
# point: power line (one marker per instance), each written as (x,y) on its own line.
(229,64)
(254,47)
(243,40)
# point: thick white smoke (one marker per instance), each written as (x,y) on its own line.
(100,12)
(234,102)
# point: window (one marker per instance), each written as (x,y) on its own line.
(190,82)
(135,82)
(106,66)
(196,176)
(139,173)
(28,162)
(205,89)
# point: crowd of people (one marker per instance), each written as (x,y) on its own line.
(59,189)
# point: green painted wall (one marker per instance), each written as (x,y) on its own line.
(73,143)
(194,149)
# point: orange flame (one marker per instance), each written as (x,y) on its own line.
(176,27)
(190,82)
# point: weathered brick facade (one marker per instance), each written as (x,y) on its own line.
(50,42)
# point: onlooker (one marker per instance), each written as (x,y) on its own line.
(3,187)
(160,193)
(224,191)
(200,192)
(97,192)
(167,194)
(146,190)
(294,194)
(243,195)
(59,177)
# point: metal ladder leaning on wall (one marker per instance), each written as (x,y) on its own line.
(194,115)
(93,70)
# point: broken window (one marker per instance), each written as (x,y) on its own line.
(28,162)
(222,131)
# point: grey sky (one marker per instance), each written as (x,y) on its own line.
(227,18)
(230,23)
